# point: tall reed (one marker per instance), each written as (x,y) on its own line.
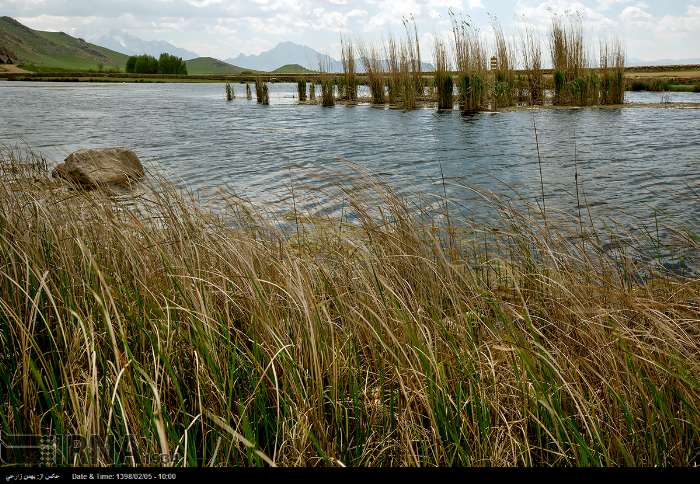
(574,82)
(612,67)
(531,51)
(230,94)
(394,80)
(225,341)
(259,90)
(327,82)
(443,77)
(312,90)
(412,44)
(265,95)
(348,91)
(374,70)
(470,60)
(301,90)
(504,75)
(408,89)
(248,93)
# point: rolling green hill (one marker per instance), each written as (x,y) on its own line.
(45,51)
(208,65)
(292,69)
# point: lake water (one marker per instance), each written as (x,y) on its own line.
(635,164)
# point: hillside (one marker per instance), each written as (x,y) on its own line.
(208,65)
(55,50)
(292,69)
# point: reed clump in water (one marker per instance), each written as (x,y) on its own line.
(444,85)
(248,93)
(265,95)
(394,82)
(412,44)
(612,73)
(574,82)
(533,83)
(312,90)
(470,60)
(504,82)
(230,94)
(374,71)
(259,90)
(348,85)
(387,342)
(408,90)
(327,82)
(301,90)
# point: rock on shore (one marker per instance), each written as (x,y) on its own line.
(97,167)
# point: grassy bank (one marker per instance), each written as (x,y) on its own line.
(391,340)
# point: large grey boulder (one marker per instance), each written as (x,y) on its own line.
(98,167)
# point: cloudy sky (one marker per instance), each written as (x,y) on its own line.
(651,29)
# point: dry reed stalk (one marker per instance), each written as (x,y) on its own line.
(374,71)
(612,73)
(327,82)
(504,75)
(412,43)
(574,82)
(470,60)
(348,92)
(393,60)
(532,59)
(389,341)
(408,89)
(444,84)
(301,90)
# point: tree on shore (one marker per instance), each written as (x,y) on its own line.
(147,64)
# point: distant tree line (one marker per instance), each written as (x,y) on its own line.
(147,64)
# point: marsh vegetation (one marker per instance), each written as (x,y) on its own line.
(384,337)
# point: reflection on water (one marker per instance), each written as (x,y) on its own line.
(634,164)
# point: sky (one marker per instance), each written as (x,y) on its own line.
(650,30)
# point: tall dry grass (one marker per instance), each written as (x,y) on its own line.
(612,72)
(444,85)
(348,87)
(504,82)
(531,52)
(470,62)
(327,81)
(220,340)
(374,70)
(301,90)
(395,80)
(575,83)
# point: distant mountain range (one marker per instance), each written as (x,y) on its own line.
(292,53)
(125,43)
(286,53)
